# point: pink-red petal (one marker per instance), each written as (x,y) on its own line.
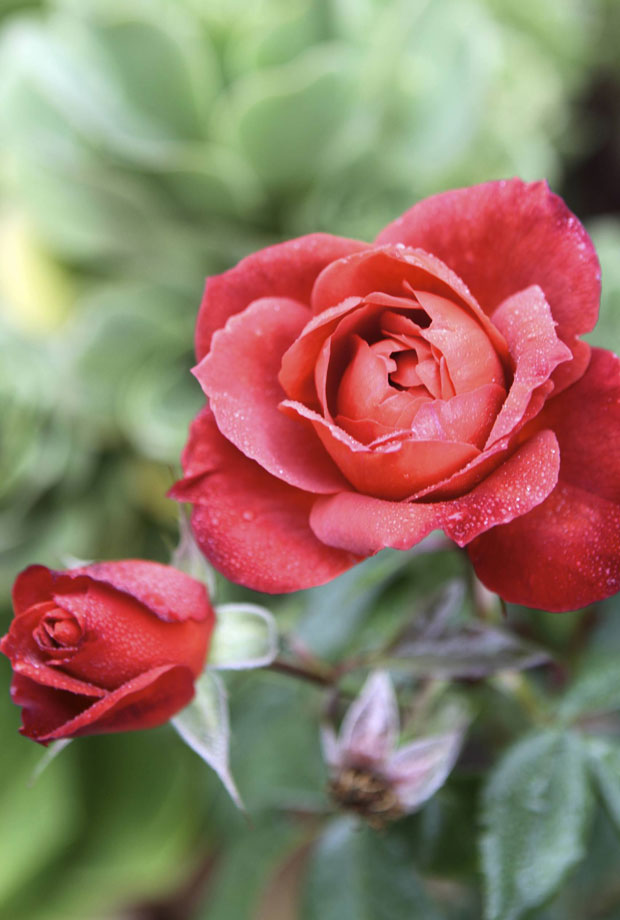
(285,270)
(365,525)
(252,526)
(240,377)
(502,237)
(44,710)
(565,554)
(397,270)
(526,323)
(393,470)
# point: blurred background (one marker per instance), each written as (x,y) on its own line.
(144,145)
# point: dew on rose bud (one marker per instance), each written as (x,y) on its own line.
(248,515)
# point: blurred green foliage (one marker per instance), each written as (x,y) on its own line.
(146,144)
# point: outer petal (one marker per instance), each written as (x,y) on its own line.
(240,377)
(253,527)
(566,553)
(502,237)
(44,710)
(285,270)
(148,700)
(169,594)
(366,525)
(124,639)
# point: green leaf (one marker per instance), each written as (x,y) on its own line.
(596,689)
(359,874)
(204,726)
(605,767)
(536,811)
(276,753)
(245,636)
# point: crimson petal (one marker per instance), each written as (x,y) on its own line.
(148,700)
(565,554)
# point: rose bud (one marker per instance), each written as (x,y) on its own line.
(371,775)
(108,647)
(362,395)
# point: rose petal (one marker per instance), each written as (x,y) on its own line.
(148,700)
(33,586)
(285,270)
(365,525)
(240,377)
(393,470)
(561,556)
(168,593)
(253,527)
(43,709)
(395,270)
(470,357)
(570,371)
(299,363)
(364,383)
(55,678)
(20,642)
(467,417)
(565,554)
(502,237)
(123,638)
(527,325)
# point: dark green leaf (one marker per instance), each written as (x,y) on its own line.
(359,874)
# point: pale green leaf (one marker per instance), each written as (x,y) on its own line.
(204,726)
(536,810)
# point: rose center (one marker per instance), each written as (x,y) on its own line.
(58,630)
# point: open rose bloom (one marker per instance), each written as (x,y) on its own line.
(362,395)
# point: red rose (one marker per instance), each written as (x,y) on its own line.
(110,647)
(363,395)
